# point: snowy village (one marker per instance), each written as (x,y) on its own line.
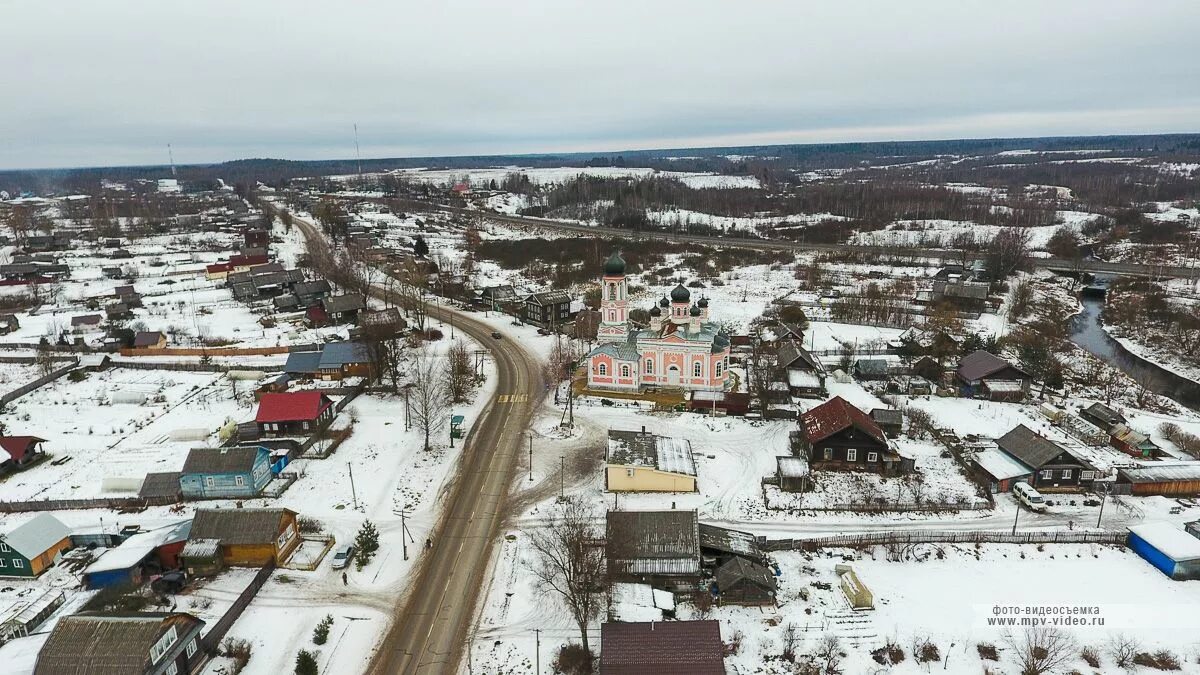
(793,407)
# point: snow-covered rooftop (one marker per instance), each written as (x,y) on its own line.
(1174,542)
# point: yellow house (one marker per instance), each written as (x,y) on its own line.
(638,461)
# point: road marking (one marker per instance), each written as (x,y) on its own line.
(513,398)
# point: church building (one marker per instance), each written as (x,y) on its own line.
(679,349)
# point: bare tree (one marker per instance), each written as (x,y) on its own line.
(460,373)
(570,564)
(411,289)
(430,399)
(1041,649)
(1007,252)
(1123,648)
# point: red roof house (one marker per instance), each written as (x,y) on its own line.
(837,435)
(19,451)
(293,413)
(662,648)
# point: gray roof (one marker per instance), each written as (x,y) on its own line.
(622,351)
(1103,412)
(311,287)
(979,364)
(871,366)
(549,298)
(791,467)
(343,303)
(237,459)
(740,569)
(36,536)
(792,355)
(726,540)
(237,526)
(631,448)
(338,354)
(635,540)
(164,484)
(1184,471)
(1032,449)
(104,644)
(200,548)
(887,416)
(304,363)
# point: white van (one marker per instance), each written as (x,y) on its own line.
(1031,498)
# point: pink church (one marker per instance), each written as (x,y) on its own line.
(680,348)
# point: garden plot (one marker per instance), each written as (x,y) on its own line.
(946,593)
(112,445)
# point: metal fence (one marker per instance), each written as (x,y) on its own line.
(941,537)
(212,639)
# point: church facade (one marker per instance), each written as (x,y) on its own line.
(679,349)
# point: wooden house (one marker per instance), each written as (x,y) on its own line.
(1178,479)
(871,369)
(836,435)
(343,308)
(742,582)
(722,402)
(1132,442)
(1103,416)
(225,472)
(149,340)
(890,420)
(32,548)
(18,452)
(143,643)
(1053,467)
(247,537)
(344,359)
(661,548)
(548,309)
(293,413)
(805,374)
(979,368)
(1000,470)
(637,461)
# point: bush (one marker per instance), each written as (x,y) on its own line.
(987,651)
(925,651)
(321,632)
(1160,660)
(891,653)
(1090,655)
(573,659)
(306,663)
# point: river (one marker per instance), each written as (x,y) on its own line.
(1088,333)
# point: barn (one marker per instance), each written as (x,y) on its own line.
(741,582)
(1175,552)
(1169,480)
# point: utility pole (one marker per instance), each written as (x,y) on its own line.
(353,494)
(406,425)
(537,651)
(562,477)
(1015,517)
(531,456)
(452,431)
(405,535)
(1103,498)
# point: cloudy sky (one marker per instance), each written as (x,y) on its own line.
(90,83)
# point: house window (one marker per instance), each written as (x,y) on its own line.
(649,366)
(285,537)
(19,564)
(209,481)
(828,453)
(1087,475)
(172,669)
(629,473)
(3,547)
(1066,474)
(1048,474)
(163,645)
(307,426)
(240,481)
(851,455)
(602,369)
(191,648)
(718,368)
(624,371)
(3,563)
(696,369)
(872,456)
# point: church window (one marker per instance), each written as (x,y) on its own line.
(696,369)
(624,371)
(602,369)
(612,291)
(718,368)
(649,366)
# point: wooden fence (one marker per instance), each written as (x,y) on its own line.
(206,351)
(195,366)
(941,537)
(20,391)
(212,639)
(98,503)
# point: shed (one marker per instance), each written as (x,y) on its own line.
(1102,416)
(741,582)
(1167,479)
(793,474)
(1001,470)
(890,420)
(1172,550)
(871,369)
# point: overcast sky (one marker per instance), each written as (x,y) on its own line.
(89,83)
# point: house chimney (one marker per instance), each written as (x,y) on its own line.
(643,429)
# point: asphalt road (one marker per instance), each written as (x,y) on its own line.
(430,629)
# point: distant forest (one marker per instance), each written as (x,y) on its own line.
(770,163)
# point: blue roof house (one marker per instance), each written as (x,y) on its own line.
(215,473)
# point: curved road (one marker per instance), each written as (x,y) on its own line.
(431,628)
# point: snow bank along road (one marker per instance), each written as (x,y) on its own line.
(430,629)
(1056,264)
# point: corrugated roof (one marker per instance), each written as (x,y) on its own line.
(662,648)
(725,540)
(836,415)
(1028,446)
(739,569)
(291,406)
(103,644)
(36,536)
(343,303)
(1000,465)
(303,363)
(792,355)
(643,542)
(1185,471)
(237,459)
(238,526)
(339,354)
(979,364)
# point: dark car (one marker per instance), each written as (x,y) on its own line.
(168,582)
(496,334)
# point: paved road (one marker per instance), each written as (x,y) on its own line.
(430,630)
(1055,264)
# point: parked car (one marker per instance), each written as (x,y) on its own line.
(1031,498)
(168,582)
(496,334)
(545,331)
(342,556)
